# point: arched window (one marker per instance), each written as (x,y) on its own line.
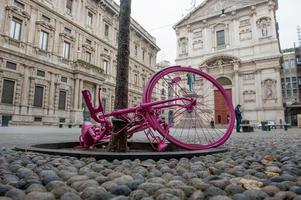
(224,81)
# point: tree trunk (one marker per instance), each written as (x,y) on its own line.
(118,141)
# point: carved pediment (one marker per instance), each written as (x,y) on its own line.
(211,8)
(105,56)
(45,25)
(107,20)
(67,36)
(220,60)
(18,11)
(89,47)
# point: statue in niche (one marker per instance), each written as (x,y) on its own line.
(264,30)
(183,42)
(263,24)
(220,65)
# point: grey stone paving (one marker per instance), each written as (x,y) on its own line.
(25,136)
(259,165)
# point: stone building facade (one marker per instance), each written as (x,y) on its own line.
(291,85)
(50,50)
(237,43)
(289,78)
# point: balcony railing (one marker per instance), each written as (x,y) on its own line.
(85,67)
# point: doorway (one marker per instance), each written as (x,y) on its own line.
(5,120)
(221,115)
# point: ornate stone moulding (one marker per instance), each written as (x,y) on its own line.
(45,25)
(16,10)
(88,47)
(67,36)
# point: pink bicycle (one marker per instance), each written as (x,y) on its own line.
(180,105)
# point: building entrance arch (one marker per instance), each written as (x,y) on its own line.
(218,66)
(222,117)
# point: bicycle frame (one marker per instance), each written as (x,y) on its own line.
(144,107)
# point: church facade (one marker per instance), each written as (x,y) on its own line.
(236,41)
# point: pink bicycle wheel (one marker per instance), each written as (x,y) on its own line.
(205,120)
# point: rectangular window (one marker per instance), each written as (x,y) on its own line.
(143,55)
(11,65)
(286,64)
(288,79)
(88,57)
(104,102)
(19,4)
(41,73)
(150,60)
(45,18)
(293,63)
(143,81)
(15,28)
(64,79)
(136,79)
(62,100)
(89,19)
(69,6)
(43,40)
(38,96)
(62,120)
(220,38)
(105,66)
(136,51)
(66,52)
(8,91)
(67,30)
(37,119)
(106,30)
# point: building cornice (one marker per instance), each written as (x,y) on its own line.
(182,23)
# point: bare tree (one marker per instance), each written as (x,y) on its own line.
(119,137)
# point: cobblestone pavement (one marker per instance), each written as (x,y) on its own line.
(259,165)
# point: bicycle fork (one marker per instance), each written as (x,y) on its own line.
(156,142)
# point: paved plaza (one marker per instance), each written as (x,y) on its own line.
(258,165)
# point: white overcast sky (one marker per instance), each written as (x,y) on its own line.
(158,17)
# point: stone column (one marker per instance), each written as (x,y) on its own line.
(258,89)
(25,87)
(236,80)
(51,91)
(76,94)
(278,87)
(81,86)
